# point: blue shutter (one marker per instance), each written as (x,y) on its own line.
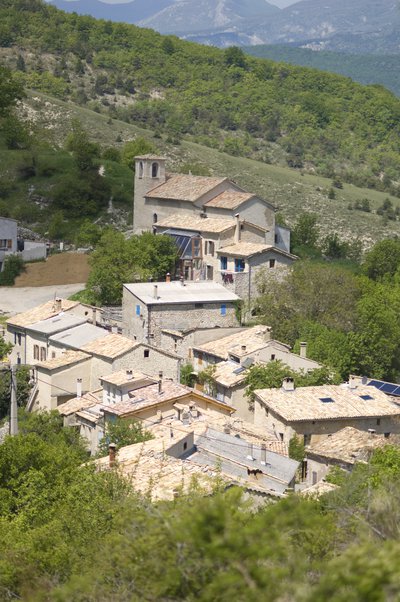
(138,310)
(223,310)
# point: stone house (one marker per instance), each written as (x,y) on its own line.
(343,450)
(80,366)
(150,308)
(133,395)
(231,355)
(315,412)
(230,251)
(159,195)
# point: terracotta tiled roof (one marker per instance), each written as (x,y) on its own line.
(230,199)
(226,374)
(111,346)
(41,312)
(247,249)
(121,378)
(78,404)
(184,187)
(253,338)
(152,472)
(148,396)
(327,402)
(350,445)
(66,359)
(196,223)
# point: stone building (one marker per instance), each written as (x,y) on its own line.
(150,308)
(8,238)
(343,450)
(231,355)
(316,412)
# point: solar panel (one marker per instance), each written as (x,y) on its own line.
(396,391)
(388,388)
(366,397)
(239,370)
(326,399)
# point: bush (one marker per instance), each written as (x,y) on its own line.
(13,267)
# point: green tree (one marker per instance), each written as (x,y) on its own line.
(122,432)
(382,260)
(305,232)
(296,448)
(5,348)
(13,266)
(187,376)
(83,150)
(134,148)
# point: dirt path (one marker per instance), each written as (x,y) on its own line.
(15,300)
(65,268)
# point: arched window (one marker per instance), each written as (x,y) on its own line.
(155,218)
(36,352)
(141,169)
(154,170)
(42,354)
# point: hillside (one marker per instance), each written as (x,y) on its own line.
(244,106)
(290,190)
(364,68)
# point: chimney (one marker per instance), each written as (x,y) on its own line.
(58,304)
(288,384)
(303,349)
(155,293)
(114,329)
(194,411)
(79,388)
(263,454)
(94,316)
(112,452)
(237,229)
(168,277)
(250,452)
(227,429)
(182,280)
(129,374)
(160,386)
(243,347)
(353,381)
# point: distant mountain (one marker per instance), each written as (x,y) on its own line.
(127,12)
(359,26)
(176,16)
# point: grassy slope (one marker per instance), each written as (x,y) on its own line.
(290,191)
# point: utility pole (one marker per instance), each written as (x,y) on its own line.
(13,406)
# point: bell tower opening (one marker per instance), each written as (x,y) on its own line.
(154,170)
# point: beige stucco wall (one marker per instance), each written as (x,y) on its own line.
(57,386)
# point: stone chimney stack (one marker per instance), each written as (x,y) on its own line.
(288,384)
(263,454)
(58,304)
(79,388)
(168,277)
(155,293)
(237,229)
(303,349)
(112,452)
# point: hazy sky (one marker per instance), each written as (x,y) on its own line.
(280,3)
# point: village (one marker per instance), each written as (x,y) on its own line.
(95,370)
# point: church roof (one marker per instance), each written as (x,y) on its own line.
(184,187)
(230,199)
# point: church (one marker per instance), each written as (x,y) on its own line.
(223,233)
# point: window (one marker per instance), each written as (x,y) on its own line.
(43,354)
(19,339)
(281,436)
(198,305)
(223,309)
(223,263)
(9,243)
(146,353)
(307,439)
(36,352)
(378,421)
(53,355)
(3,243)
(138,310)
(185,446)
(141,170)
(155,218)
(239,264)
(209,247)
(276,238)
(154,170)
(196,247)
(272,357)
(272,263)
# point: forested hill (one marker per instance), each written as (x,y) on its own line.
(241,105)
(365,68)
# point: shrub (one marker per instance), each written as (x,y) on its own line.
(13,267)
